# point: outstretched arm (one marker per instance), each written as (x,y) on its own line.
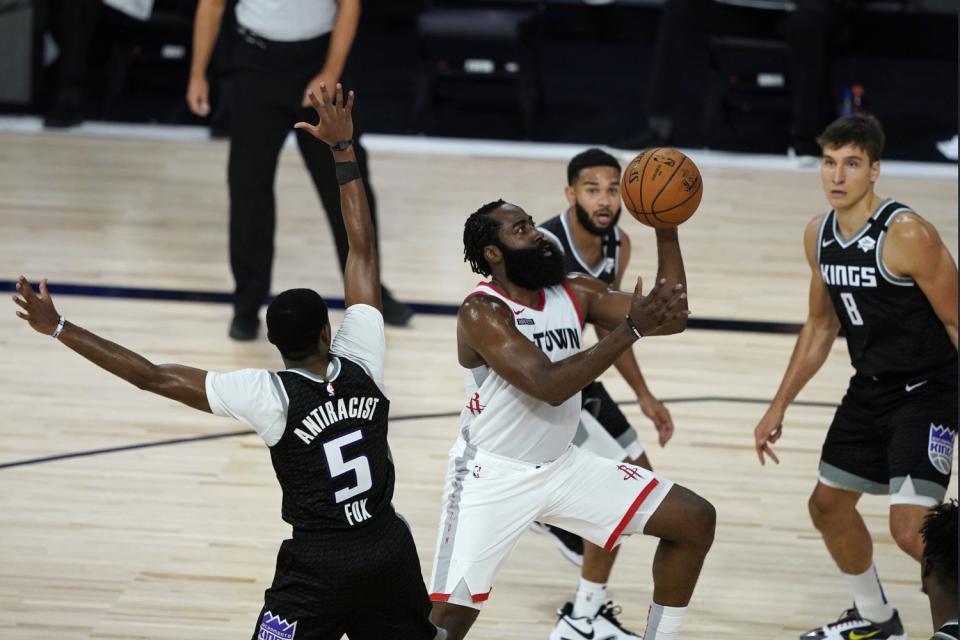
(174,381)
(812,348)
(629,368)
(361,277)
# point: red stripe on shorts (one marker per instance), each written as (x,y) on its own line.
(439,597)
(612,540)
(480,597)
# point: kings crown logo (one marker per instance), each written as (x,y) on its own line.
(940,448)
(273,628)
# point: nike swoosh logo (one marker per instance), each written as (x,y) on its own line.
(858,636)
(588,636)
(909,388)
(827,243)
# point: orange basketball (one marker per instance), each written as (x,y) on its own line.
(661,187)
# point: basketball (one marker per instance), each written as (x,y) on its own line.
(661,187)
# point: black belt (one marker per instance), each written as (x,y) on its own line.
(255,39)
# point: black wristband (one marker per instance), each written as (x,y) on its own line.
(347,171)
(633,327)
(342,145)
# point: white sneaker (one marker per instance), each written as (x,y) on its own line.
(608,627)
(570,628)
(949,148)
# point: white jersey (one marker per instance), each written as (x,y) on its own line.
(500,418)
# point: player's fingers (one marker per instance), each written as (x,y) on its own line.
(350,98)
(772,455)
(338,95)
(21,314)
(638,289)
(306,126)
(44,295)
(24,289)
(20,302)
(324,95)
(314,100)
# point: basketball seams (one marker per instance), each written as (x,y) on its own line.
(666,183)
(693,193)
(662,219)
(625,189)
(643,173)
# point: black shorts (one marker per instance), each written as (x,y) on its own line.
(365,584)
(894,437)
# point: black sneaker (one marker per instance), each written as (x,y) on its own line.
(244,330)
(395,313)
(569,544)
(852,626)
(608,627)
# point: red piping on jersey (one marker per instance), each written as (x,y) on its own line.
(443,597)
(539,307)
(612,540)
(576,305)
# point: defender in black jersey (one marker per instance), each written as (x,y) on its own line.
(939,573)
(591,242)
(350,566)
(883,275)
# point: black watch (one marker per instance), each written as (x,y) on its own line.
(343,145)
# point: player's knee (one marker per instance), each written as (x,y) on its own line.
(907,537)
(823,511)
(704,521)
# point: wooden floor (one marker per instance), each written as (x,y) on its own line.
(179,541)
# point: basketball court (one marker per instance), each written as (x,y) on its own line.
(126,515)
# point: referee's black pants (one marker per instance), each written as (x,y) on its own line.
(265,92)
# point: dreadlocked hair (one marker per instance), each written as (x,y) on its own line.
(939,533)
(479,231)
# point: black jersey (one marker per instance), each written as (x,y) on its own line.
(557,230)
(891,328)
(333,461)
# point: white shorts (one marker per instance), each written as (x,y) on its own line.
(489,501)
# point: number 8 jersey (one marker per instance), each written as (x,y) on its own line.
(890,327)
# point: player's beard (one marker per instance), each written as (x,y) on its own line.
(532,268)
(587,222)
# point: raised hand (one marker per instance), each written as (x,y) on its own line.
(661,306)
(336,119)
(38,310)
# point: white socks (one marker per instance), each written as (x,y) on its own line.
(663,623)
(868,595)
(590,596)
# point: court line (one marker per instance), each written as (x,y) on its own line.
(425,308)
(414,416)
